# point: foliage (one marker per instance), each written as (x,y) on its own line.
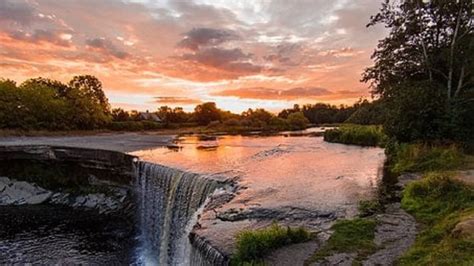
(253,245)
(421,157)
(356,235)
(46,104)
(439,203)
(368,113)
(357,135)
(297,120)
(206,113)
(423,69)
(369,207)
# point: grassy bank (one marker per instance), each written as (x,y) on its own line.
(356,135)
(422,158)
(254,245)
(439,204)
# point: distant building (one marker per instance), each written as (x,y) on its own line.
(149,116)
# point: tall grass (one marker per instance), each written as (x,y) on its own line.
(439,203)
(356,135)
(423,158)
(254,245)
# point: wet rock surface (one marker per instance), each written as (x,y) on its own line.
(394,234)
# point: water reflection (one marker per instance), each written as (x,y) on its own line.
(282,171)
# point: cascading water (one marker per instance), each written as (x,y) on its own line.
(169,200)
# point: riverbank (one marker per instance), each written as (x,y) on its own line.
(436,193)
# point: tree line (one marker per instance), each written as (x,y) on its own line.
(41,103)
(81,104)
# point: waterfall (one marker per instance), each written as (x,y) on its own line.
(169,203)
(203,254)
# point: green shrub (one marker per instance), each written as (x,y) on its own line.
(356,235)
(424,157)
(439,203)
(253,245)
(357,135)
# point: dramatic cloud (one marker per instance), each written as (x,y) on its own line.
(107,47)
(232,60)
(236,53)
(16,11)
(199,37)
(40,36)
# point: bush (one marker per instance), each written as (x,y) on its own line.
(423,157)
(357,135)
(253,245)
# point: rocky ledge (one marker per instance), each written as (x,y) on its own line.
(13,192)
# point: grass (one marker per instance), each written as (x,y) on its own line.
(356,135)
(356,235)
(439,203)
(369,207)
(254,245)
(424,158)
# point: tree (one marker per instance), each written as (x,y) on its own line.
(120,115)
(297,120)
(428,41)
(91,87)
(206,113)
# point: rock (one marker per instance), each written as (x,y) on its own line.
(4,182)
(207,137)
(208,146)
(464,229)
(173,146)
(20,192)
(394,234)
(295,254)
(340,259)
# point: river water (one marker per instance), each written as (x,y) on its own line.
(282,171)
(295,179)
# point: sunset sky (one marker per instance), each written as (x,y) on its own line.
(239,54)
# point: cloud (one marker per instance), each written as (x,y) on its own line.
(263,93)
(107,47)
(176,100)
(16,11)
(232,60)
(39,36)
(201,37)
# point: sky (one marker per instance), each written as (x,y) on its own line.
(240,54)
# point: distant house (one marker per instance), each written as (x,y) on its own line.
(149,116)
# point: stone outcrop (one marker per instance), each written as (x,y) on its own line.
(120,164)
(14,192)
